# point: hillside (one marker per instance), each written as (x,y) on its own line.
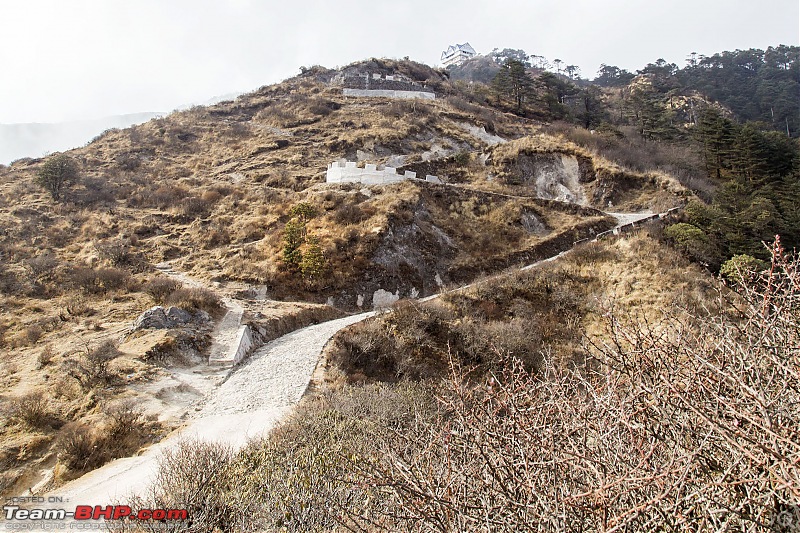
(232,196)
(35,139)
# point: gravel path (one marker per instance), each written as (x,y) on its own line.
(251,401)
(277,374)
(225,333)
(627,218)
(255,397)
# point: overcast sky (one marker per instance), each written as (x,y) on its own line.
(72,59)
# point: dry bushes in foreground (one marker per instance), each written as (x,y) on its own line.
(676,425)
(671,426)
(82,448)
(299,479)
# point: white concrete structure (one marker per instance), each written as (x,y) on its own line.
(388,93)
(457,54)
(348,172)
(243,345)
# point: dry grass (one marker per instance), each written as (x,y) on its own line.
(524,314)
(606,181)
(210,190)
(662,424)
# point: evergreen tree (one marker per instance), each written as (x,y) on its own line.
(293,237)
(514,83)
(648,111)
(553,91)
(313,263)
(715,134)
(611,76)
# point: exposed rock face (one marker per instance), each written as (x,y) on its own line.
(159,318)
(382,299)
(554,176)
(533,224)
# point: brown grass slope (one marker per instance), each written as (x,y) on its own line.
(211,189)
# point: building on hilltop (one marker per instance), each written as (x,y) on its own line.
(457,54)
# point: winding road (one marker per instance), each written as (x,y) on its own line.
(249,403)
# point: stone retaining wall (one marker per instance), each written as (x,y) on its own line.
(388,94)
(243,345)
(349,172)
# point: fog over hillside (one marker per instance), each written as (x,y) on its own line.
(37,139)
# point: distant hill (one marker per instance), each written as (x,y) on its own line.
(36,139)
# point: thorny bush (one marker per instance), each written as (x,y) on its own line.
(683,425)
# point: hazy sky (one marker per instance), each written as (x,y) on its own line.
(71,59)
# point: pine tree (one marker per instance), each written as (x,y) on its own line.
(715,134)
(293,237)
(313,263)
(513,82)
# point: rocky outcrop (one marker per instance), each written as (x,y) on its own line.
(554,176)
(172,317)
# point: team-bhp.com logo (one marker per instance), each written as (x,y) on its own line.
(97,512)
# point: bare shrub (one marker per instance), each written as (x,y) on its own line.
(194,207)
(45,357)
(299,479)
(109,279)
(194,299)
(128,161)
(77,305)
(91,368)
(160,288)
(362,349)
(591,253)
(99,281)
(31,334)
(196,476)
(125,415)
(84,448)
(322,107)
(119,253)
(32,409)
(163,197)
(78,449)
(216,237)
(686,424)
(350,214)
(42,265)
(96,193)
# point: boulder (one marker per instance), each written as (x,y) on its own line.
(153,318)
(177,316)
(159,318)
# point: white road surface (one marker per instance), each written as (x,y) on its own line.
(255,397)
(252,401)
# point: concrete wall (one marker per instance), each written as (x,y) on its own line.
(242,346)
(348,172)
(658,217)
(383,93)
(378,81)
